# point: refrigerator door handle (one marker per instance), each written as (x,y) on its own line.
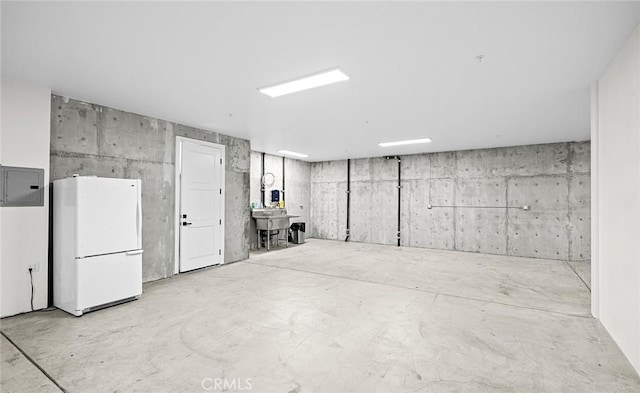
(139,217)
(136,252)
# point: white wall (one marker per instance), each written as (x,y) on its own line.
(24,141)
(617,270)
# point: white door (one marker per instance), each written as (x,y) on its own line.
(201,194)
(109,216)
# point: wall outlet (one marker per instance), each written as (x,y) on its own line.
(35,267)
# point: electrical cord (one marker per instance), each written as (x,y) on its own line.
(31,276)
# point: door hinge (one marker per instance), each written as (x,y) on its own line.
(221,221)
(221,161)
(221,191)
(219,252)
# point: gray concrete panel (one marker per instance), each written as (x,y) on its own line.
(481,230)
(538,234)
(580,191)
(580,235)
(440,192)
(415,167)
(133,136)
(514,161)
(157,216)
(423,227)
(580,157)
(362,208)
(374,169)
(67,164)
(481,192)
(329,171)
(74,126)
(384,212)
(325,210)
(443,165)
(542,193)
(580,217)
(236,153)
(237,216)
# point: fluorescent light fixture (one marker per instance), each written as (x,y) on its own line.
(318,79)
(292,153)
(407,142)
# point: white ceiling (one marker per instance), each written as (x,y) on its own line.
(412,67)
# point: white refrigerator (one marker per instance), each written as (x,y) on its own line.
(97,242)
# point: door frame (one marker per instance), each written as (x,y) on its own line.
(178,187)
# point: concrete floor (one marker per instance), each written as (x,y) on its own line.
(330,316)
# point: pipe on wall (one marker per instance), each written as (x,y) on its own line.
(262,198)
(399,194)
(348,199)
(399,186)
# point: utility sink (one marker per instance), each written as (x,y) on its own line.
(271,219)
(268,212)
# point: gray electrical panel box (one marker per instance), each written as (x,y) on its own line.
(21,186)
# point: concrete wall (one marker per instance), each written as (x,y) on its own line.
(90,139)
(24,141)
(616,272)
(553,179)
(297,186)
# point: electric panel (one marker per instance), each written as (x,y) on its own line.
(21,186)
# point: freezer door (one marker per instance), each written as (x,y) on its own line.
(108,278)
(108,216)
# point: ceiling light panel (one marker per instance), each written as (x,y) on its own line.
(318,79)
(406,142)
(293,154)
